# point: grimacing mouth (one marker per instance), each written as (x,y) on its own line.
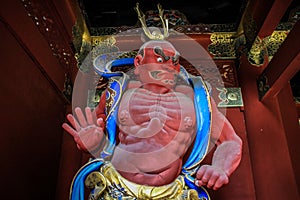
(155,75)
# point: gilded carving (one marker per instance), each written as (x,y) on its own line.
(98,40)
(223,45)
(226,70)
(256,55)
(267,46)
(102,45)
(186,29)
(81,41)
(274,41)
(260,49)
(230,97)
(228,73)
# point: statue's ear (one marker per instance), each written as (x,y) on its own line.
(137,62)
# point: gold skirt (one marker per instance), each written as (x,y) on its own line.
(109,184)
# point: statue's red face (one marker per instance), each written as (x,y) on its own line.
(157,63)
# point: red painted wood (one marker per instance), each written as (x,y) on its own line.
(33,81)
(268,14)
(290,121)
(31,117)
(70,163)
(273,172)
(33,40)
(66,13)
(241,184)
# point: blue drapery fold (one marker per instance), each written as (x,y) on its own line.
(77,187)
(203,117)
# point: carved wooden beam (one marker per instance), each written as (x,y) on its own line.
(259,22)
(284,65)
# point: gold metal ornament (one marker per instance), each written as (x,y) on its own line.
(156,33)
(96,181)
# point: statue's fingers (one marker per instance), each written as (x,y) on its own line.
(201,172)
(89,116)
(212,180)
(70,130)
(80,117)
(207,175)
(100,122)
(222,180)
(74,122)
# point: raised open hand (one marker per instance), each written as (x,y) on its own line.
(86,130)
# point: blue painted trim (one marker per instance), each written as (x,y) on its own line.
(77,187)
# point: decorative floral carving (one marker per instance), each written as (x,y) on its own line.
(274,41)
(223,45)
(230,97)
(256,55)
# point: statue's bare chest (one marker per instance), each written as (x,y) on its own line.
(139,106)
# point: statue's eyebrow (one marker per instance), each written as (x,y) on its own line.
(159,51)
(176,57)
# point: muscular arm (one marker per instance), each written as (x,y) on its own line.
(228,153)
(227,156)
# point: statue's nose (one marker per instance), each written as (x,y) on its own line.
(170,68)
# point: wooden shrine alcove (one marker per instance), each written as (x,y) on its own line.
(265,126)
(256,58)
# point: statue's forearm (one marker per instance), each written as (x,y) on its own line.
(228,156)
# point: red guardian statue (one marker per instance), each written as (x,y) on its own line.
(151,134)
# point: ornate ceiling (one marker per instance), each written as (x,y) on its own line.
(112,13)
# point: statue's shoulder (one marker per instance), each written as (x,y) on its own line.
(186,90)
(134,84)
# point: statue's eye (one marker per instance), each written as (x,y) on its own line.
(159,59)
